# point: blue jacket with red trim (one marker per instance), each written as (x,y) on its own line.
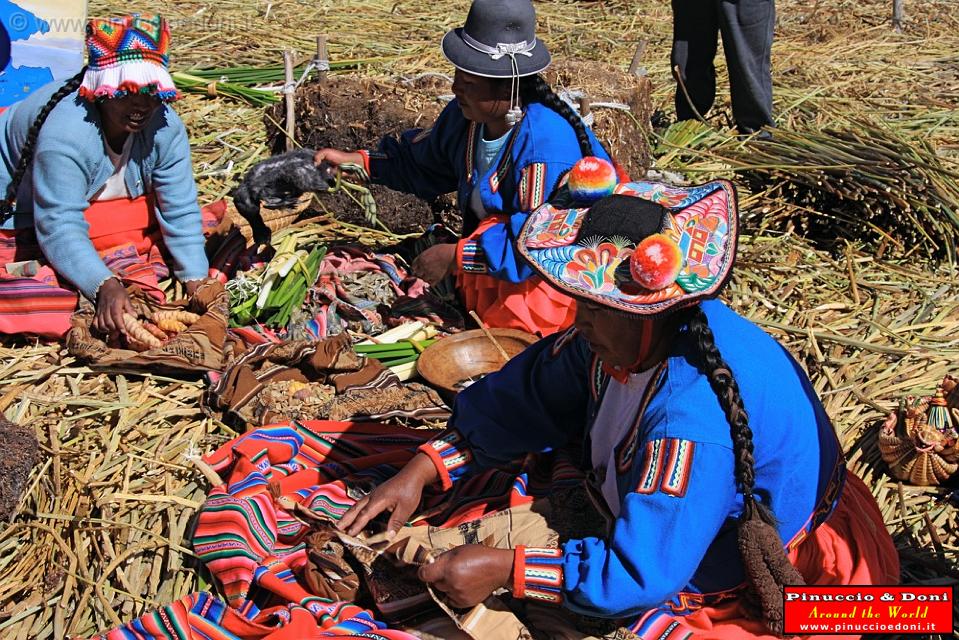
(675,538)
(429,163)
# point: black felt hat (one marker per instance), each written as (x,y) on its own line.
(497,35)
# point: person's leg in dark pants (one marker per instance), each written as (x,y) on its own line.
(747,28)
(695,37)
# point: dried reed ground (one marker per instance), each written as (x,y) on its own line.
(104,530)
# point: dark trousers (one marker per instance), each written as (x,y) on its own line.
(747,29)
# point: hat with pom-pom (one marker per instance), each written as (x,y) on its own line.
(127,56)
(646,249)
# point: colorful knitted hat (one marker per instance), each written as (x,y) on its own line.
(128,55)
(647,249)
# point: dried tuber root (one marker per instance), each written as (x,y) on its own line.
(157,332)
(139,333)
(167,324)
(185,317)
(136,345)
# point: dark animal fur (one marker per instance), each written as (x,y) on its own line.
(279,182)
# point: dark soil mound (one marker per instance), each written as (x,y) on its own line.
(350,112)
(347,112)
(19,451)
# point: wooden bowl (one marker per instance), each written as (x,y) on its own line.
(452,362)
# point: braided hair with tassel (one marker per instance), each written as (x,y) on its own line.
(26,153)
(765,563)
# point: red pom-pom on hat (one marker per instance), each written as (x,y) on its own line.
(656,262)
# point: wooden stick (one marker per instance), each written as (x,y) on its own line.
(288,97)
(482,325)
(897,15)
(584,105)
(634,67)
(934,535)
(322,60)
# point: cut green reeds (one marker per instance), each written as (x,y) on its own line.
(213,88)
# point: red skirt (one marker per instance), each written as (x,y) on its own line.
(852,547)
(35,300)
(532,305)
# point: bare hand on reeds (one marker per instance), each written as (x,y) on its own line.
(468,574)
(435,263)
(112,302)
(400,495)
(336,157)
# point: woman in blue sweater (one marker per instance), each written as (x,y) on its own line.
(503,145)
(98,184)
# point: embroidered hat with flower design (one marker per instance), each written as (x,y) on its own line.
(648,249)
(128,55)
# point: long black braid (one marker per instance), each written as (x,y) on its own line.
(765,563)
(726,388)
(26,153)
(535,89)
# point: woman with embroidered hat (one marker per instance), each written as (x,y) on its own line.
(98,186)
(503,145)
(713,459)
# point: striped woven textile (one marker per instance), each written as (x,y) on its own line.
(201,616)
(251,532)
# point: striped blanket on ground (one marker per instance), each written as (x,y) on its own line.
(250,538)
(201,616)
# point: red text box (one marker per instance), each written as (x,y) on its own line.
(868,609)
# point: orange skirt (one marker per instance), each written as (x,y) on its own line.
(532,305)
(35,300)
(851,548)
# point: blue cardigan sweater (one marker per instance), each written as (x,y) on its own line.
(70,165)
(674,543)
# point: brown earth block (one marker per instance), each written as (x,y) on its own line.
(624,134)
(349,112)
(19,452)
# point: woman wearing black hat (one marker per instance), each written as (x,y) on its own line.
(503,145)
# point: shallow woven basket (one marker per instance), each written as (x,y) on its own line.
(468,356)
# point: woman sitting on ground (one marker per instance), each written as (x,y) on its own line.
(502,145)
(99,186)
(708,446)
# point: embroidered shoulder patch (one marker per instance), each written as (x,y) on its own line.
(532,186)
(667,465)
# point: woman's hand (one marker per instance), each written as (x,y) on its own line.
(435,263)
(112,303)
(470,573)
(400,495)
(336,157)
